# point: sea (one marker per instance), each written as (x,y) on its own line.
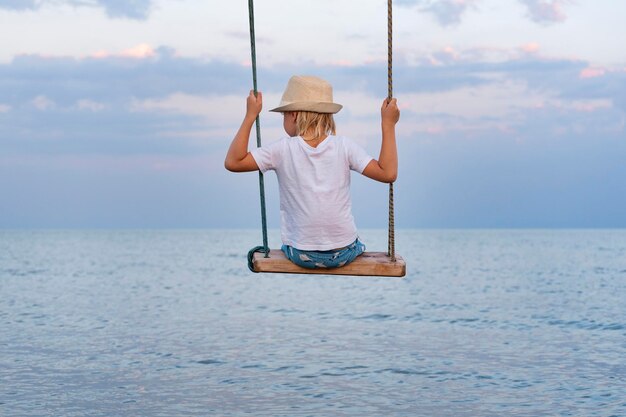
(172,323)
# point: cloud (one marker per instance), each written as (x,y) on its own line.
(91,105)
(43,103)
(139,51)
(153,101)
(515,131)
(530,48)
(147,73)
(592,72)
(451,12)
(95,130)
(20,4)
(131,9)
(116,78)
(447,12)
(144,72)
(598,83)
(218,110)
(546,11)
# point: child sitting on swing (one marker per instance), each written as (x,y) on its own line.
(313,169)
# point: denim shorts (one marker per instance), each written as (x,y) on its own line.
(324,259)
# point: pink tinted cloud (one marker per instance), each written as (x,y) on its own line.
(530,48)
(140,51)
(591,72)
(344,63)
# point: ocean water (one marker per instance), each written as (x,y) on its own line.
(172,323)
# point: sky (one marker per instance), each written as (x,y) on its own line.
(118,114)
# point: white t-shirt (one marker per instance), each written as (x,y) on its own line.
(314,186)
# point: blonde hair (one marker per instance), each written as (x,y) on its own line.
(319,124)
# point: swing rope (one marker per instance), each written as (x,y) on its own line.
(391,249)
(265,247)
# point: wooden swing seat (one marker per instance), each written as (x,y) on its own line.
(367,264)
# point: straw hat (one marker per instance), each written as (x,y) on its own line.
(308,93)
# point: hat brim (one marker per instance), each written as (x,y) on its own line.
(317,107)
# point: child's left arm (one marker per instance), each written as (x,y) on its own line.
(238,159)
(385,169)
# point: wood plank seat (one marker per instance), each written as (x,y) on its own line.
(368,264)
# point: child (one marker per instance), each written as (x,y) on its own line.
(313,169)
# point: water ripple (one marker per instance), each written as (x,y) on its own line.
(161,323)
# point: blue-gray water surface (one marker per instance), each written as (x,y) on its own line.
(172,323)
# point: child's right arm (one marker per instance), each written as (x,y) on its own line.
(238,159)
